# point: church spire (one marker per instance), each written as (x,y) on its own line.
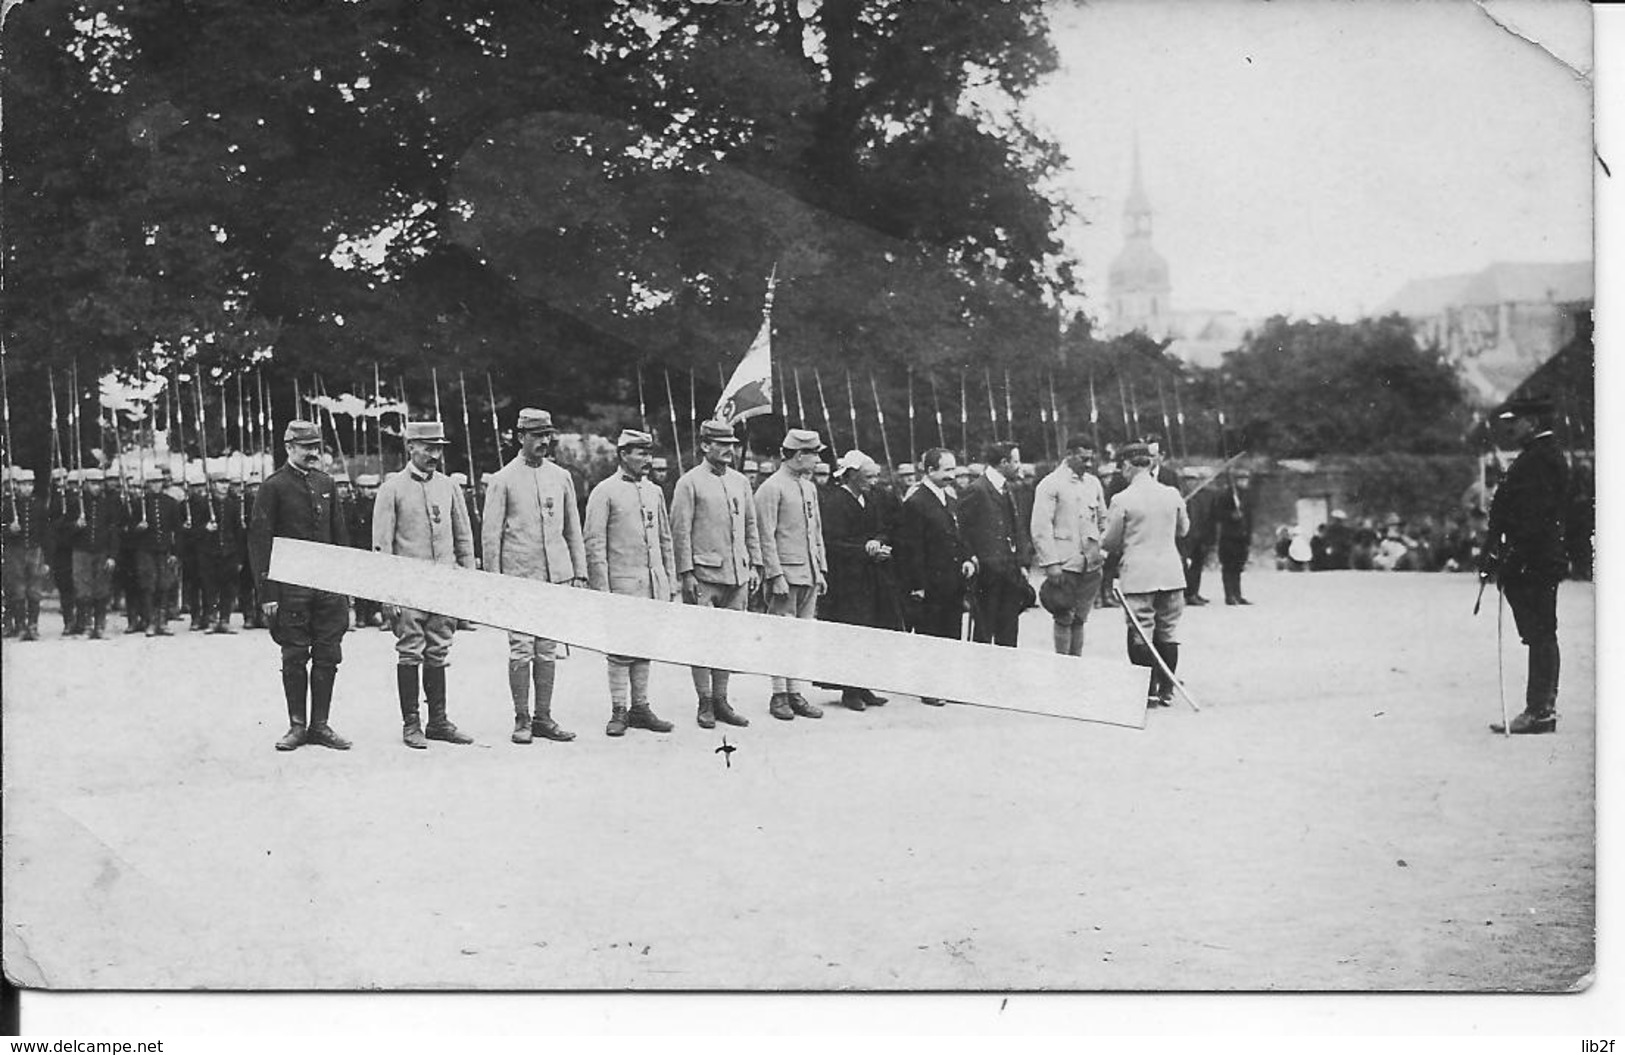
(1137,207)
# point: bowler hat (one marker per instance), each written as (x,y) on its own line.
(717,432)
(426,432)
(802,440)
(533,420)
(303,433)
(633,438)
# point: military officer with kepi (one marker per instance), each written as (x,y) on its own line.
(717,550)
(1525,552)
(1143,526)
(532,529)
(420,513)
(628,539)
(26,571)
(298,502)
(794,563)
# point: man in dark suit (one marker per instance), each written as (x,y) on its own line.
(932,558)
(1526,552)
(998,536)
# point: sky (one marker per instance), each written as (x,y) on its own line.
(1309,157)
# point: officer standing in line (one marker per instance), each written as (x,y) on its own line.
(26,571)
(1526,552)
(218,540)
(629,552)
(156,563)
(533,529)
(717,551)
(299,502)
(1068,520)
(420,513)
(791,531)
(97,518)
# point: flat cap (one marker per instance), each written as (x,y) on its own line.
(1138,453)
(717,432)
(426,432)
(367,480)
(907,469)
(633,438)
(533,420)
(802,440)
(302,433)
(1052,596)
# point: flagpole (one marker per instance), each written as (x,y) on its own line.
(880,415)
(913,451)
(829,423)
(676,433)
(1179,416)
(468,435)
(964,415)
(992,409)
(1094,415)
(643,413)
(942,437)
(1122,398)
(1167,426)
(496,428)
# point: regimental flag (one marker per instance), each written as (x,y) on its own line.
(749,392)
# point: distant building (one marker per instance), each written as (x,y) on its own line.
(1501,324)
(1139,292)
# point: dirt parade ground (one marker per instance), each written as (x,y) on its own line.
(1337,817)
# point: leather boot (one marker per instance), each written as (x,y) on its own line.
(1169,651)
(852,700)
(321,703)
(406,684)
(641,717)
(1527,723)
(31,626)
(543,725)
(725,712)
(294,681)
(617,722)
(779,707)
(98,620)
(519,689)
(706,718)
(70,620)
(1545,662)
(799,704)
(136,619)
(871,699)
(440,727)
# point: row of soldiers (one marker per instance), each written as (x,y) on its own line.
(852,551)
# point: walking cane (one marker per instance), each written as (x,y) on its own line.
(1500,654)
(1117,591)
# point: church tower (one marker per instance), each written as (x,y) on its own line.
(1137,284)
